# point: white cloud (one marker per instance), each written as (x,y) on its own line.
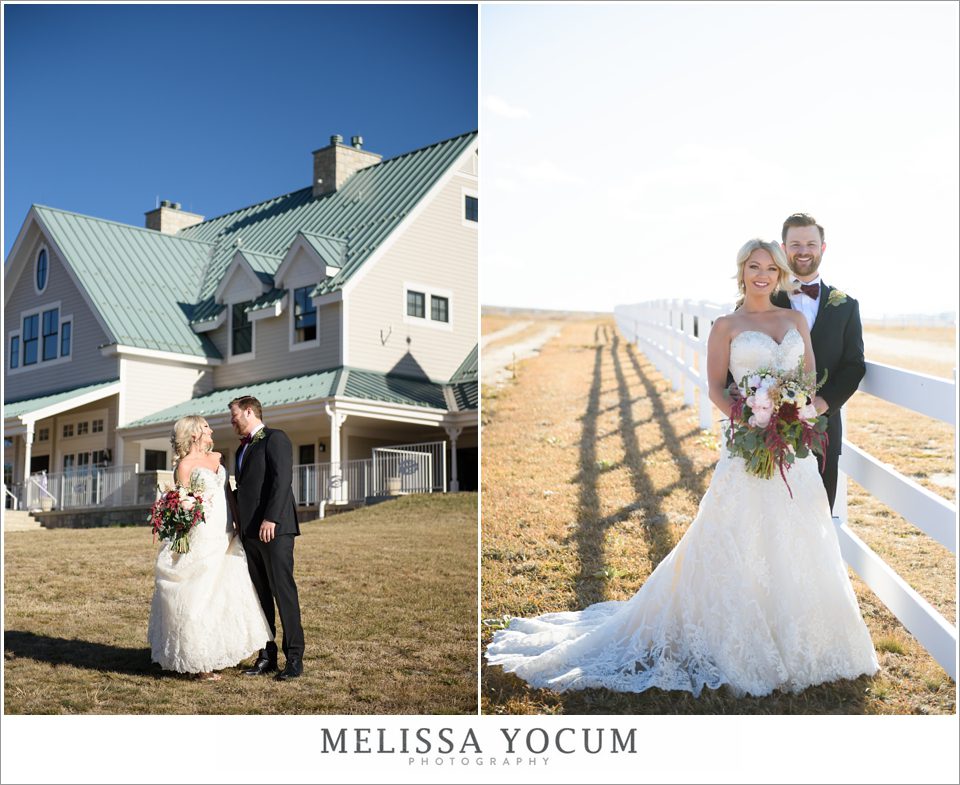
(499,106)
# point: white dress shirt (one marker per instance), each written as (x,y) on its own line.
(243,450)
(806,304)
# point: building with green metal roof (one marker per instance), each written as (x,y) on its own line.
(349,308)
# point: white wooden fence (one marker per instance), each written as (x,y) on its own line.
(673,335)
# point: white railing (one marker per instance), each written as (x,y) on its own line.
(401,471)
(11,498)
(438,453)
(113,486)
(339,482)
(664,331)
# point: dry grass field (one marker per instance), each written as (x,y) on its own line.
(592,471)
(389,601)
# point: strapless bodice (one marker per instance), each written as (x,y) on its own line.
(753,349)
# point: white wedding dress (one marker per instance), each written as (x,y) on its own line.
(755,595)
(205,614)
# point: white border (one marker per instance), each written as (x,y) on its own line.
(291,332)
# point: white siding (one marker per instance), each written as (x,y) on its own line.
(87,364)
(148,386)
(437,249)
(273,358)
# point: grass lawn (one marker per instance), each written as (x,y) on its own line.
(388,596)
(592,471)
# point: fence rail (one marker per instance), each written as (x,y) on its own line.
(673,335)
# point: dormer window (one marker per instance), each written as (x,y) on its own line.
(43,270)
(241,330)
(304,315)
(426,306)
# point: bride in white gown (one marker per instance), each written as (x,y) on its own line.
(755,595)
(205,615)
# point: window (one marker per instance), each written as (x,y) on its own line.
(305,453)
(96,426)
(51,329)
(65,330)
(304,315)
(43,435)
(15,351)
(31,328)
(68,430)
(154,460)
(68,462)
(439,309)
(101,457)
(83,459)
(42,270)
(242,330)
(83,428)
(416,302)
(470,208)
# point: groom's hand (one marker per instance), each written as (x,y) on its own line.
(267,529)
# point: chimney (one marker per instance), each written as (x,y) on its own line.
(333,165)
(168,218)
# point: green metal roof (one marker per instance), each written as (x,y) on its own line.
(340,381)
(375,386)
(308,387)
(172,278)
(467,372)
(330,249)
(265,300)
(143,283)
(466,395)
(16,408)
(361,214)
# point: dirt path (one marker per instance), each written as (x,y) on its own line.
(513,329)
(899,347)
(496,363)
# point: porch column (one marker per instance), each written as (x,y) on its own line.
(453,433)
(337,419)
(28,450)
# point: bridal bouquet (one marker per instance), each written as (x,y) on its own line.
(773,421)
(175,514)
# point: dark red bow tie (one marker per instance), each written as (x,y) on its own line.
(246,440)
(812,290)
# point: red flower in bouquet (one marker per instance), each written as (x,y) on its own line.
(773,421)
(175,514)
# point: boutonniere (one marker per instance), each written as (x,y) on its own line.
(258,436)
(836,297)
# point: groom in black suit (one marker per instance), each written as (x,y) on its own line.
(267,525)
(835,331)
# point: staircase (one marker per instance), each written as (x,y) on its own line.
(19,521)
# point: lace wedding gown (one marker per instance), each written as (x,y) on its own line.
(755,595)
(205,614)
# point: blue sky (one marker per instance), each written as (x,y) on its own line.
(107,108)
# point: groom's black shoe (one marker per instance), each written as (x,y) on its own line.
(291,670)
(261,667)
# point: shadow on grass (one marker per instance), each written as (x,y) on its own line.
(18,644)
(504,693)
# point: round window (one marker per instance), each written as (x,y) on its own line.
(42,270)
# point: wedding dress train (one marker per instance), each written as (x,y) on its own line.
(205,614)
(755,595)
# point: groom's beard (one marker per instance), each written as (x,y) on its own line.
(808,267)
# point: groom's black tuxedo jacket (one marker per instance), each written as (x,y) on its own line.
(837,339)
(265,485)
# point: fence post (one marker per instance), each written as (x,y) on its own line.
(689,388)
(840,503)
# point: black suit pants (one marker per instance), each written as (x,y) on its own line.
(271,570)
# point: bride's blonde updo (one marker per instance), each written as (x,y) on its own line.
(185,432)
(785,278)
